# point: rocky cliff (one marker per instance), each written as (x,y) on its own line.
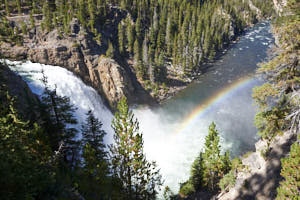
(260,175)
(82,52)
(79,53)
(25,101)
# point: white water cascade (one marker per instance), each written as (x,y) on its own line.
(83,97)
(174,152)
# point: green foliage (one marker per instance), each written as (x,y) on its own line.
(278,99)
(228,181)
(47,17)
(209,167)
(25,168)
(61,114)
(110,52)
(98,38)
(182,33)
(24,28)
(7,8)
(82,12)
(95,164)
(237,163)
(187,189)
(121,38)
(8,33)
(19,6)
(197,172)
(289,188)
(32,21)
(216,165)
(140,178)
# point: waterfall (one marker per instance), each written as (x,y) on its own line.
(221,96)
(83,97)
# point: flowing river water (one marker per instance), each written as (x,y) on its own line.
(174,132)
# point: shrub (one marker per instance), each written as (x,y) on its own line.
(186,189)
(228,181)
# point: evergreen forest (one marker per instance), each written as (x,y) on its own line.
(43,155)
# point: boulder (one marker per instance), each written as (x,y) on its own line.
(114,80)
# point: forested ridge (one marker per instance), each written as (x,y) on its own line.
(41,157)
(161,40)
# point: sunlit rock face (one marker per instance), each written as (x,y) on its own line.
(113,79)
(80,54)
(174,133)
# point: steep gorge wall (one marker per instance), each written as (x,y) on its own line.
(80,54)
(26,102)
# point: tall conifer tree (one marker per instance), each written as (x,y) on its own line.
(140,178)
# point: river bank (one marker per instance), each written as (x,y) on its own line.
(174,131)
(172,90)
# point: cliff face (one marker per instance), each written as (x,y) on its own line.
(79,51)
(261,172)
(80,54)
(262,169)
(25,100)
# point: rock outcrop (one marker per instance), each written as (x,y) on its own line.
(25,100)
(261,174)
(113,79)
(80,53)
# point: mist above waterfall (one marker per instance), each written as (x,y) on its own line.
(173,147)
(175,151)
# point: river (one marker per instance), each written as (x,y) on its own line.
(174,132)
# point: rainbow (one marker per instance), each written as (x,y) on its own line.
(215,98)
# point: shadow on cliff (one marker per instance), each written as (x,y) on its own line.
(263,186)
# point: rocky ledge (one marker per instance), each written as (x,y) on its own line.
(79,53)
(261,170)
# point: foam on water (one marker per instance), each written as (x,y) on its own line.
(173,151)
(67,84)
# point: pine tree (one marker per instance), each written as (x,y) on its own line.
(7,9)
(214,162)
(61,113)
(140,178)
(210,166)
(25,168)
(110,52)
(137,51)
(19,6)
(47,17)
(121,38)
(81,12)
(138,29)
(130,35)
(24,28)
(197,172)
(289,187)
(92,14)
(32,21)
(95,164)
